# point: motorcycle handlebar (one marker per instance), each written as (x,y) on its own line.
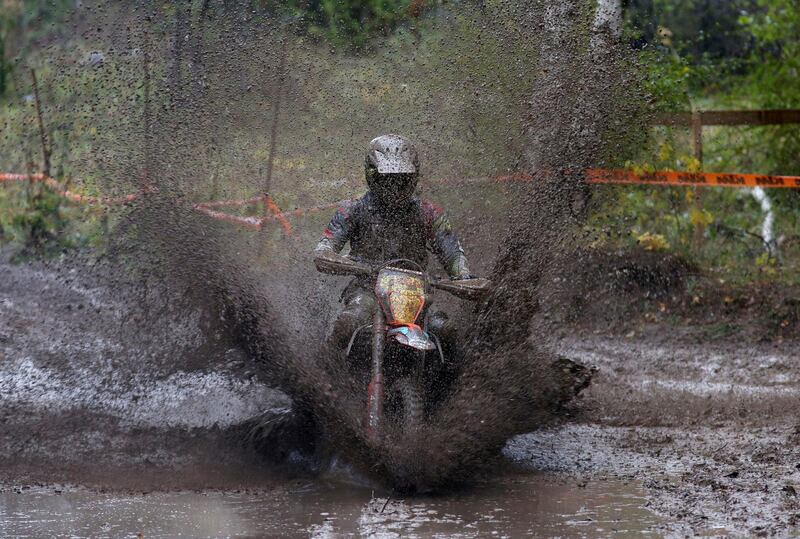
(335,264)
(469,289)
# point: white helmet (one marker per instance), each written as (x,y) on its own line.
(392,169)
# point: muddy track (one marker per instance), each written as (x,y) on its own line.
(99,382)
(708,429)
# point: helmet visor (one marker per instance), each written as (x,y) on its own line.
(393,188)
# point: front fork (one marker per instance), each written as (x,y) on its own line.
(375,389)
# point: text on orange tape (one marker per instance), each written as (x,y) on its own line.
(711,179)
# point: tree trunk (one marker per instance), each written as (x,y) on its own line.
(196,54)
(175,73)
(608,17)
(767,232)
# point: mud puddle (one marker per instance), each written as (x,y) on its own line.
(704,434)
(514,505)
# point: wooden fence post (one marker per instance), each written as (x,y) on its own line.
(45,147)
(273,137)
(146,115)
(276,111)
(697,150)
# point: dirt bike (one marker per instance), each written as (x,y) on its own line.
(400,343)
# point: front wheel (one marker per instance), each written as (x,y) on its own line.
(412,404)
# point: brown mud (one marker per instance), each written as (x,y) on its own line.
(105,381)
(707,430)
(710,428)
(119,386)
(511,505)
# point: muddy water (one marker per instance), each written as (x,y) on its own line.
(514,505)
(709,428)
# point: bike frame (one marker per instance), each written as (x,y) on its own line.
(375,389)
(413,336)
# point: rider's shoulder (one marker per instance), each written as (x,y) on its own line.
(347,206)
(430,209)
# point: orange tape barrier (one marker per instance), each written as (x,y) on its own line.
(711,179)
(598,176)
(276,212)
(671,177)
(592,176)
(10,177)
(248,222)
(256,223)
(229,203)
(66,193)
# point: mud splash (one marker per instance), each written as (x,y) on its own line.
(213,79)
(99,387)
(509,384)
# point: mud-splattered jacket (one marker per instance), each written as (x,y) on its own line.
(377,235)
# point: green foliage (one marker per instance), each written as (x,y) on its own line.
(35,219)
(706,34)
(772,80)
(774,68)
(350,22)
(653,242)
(22,23)
(667,79)
(706,55)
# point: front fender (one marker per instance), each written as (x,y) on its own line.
(412,336)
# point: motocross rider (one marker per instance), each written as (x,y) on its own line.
(387,223)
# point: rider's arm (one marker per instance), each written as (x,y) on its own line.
(444,242)
(335,236)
